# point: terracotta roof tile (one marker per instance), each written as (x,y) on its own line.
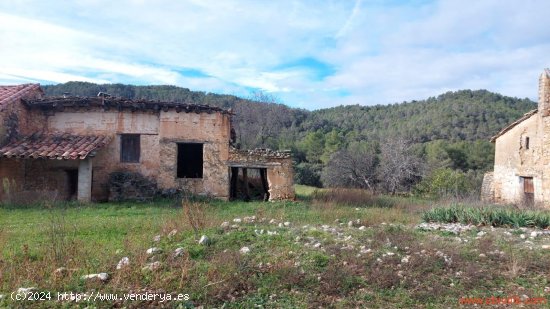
(54,146)
(10,93)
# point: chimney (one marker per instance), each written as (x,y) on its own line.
(544,93)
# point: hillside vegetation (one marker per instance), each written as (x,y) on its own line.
(450,131)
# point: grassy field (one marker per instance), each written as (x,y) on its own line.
(338,249)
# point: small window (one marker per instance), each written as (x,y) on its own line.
(190,160)
(129,148)
(527,143)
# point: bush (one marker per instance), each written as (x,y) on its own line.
(350,197)
(308,174)
(445,182)
(494,216)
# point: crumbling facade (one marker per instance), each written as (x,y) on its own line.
(521,173)
(70,146)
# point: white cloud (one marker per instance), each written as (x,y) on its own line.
(381,53)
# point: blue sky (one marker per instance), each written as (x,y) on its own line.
(310,54)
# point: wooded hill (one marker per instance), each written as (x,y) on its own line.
(449,131)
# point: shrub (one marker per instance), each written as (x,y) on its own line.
(350,197)
(445,182)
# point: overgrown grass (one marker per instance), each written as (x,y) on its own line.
(489,215)
(316,260)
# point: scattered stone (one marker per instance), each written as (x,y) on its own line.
(153,250)
(60,272)
(362,227)
(286,223)
(481,233)
(101,276)
(224,225)
(172,233)
(237,220)
(405,259)
(350,224)
(152,266)
(251,219)
(125,261)
(522,236)
(281,225)
(454,228)
(545,247)
(547,289)
(317,245)
(272,221)
(234,226)
(156,238)
(482,255)
(534,234)
(244,250)
(178,252)
(204,240)
(26,290)
(270,233)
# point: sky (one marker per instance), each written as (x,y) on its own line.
(308,54)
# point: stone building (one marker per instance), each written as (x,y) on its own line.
(521,173)
(71,146)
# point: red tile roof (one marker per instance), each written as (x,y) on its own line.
(10,93)
(54,146)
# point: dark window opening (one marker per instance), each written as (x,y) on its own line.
(527,143)
(129,148)
(190,160)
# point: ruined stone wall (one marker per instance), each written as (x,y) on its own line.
(16,119)
(159,134)
(280,173)
(212,130)
(487,188)
(513,160)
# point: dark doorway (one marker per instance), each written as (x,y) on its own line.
(528,191)
(249,184)
(190,161)
(72,184)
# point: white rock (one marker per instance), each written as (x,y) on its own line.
(244,250)
(522,236)
(272,221)
(153,250)
(270,233)
(25,290)
(281,225)
(172,233)
(350,223)
(178,252)
(156,238)
(61,271)
(123,262)
(204,240)
(362,227)
(405,259)
(100,276)
(237,220)
(317,245)
(249,219)
(481,233)
(482,255)
(534,234)
(287,223)
(224,225)
(152,266)
(546,247)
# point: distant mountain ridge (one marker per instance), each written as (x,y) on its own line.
(453,116)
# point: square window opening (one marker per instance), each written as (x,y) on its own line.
(527,143)
(129,148)
(190,160)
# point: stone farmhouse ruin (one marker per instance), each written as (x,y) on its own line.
(73,148)
(522,157)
